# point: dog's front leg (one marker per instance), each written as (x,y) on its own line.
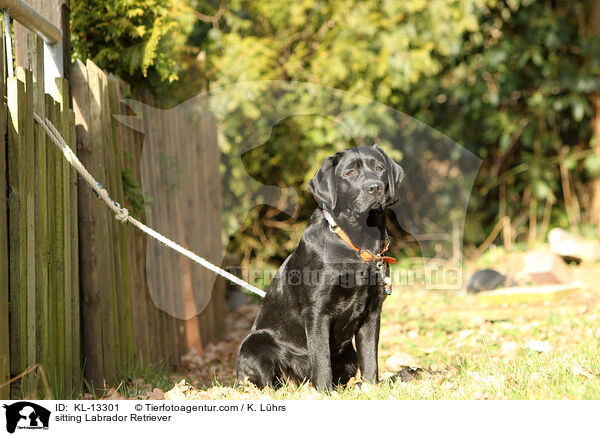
(317,335)
(367,340)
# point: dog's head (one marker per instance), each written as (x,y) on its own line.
(358,179)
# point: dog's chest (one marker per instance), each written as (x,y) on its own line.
(351,305)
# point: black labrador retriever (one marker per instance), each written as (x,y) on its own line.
(331,288)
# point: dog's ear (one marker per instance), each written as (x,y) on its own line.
(395,175)
(322,185)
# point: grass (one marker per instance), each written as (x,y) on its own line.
(552,355)
(436,345)
(138,379)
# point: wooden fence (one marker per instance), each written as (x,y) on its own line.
(74,294)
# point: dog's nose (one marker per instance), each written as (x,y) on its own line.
(374,188)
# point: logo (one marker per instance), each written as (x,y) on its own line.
(26,415)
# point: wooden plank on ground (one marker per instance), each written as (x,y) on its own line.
(102,217)
(91,312)
(511,313)
(4,284)
(18,225)
(528,294)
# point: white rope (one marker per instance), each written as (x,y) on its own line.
(122,214)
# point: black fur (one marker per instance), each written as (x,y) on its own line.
(324,295)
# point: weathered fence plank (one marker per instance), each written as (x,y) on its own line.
(188,333)
(169,220)
(4,284)
(75,335)
(88,235)
(18,226)
(121,231)
(35,47)
(194,231)
(52,249)
(129,162)
(213,180)
(29,381)
(205,239)
(150,160)
(154,351)
(59,266)
(102,217)
(63,125)
(154,135)
(109,182)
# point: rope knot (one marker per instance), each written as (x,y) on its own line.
(123,216)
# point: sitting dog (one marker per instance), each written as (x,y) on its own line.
(331,288)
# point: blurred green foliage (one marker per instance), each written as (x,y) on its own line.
(510,80)
(518,95)
(142,41)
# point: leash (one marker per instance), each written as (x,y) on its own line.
(363,253)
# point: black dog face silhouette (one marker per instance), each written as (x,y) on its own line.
(26,414)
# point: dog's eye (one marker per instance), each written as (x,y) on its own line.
(349,173)
(379,168)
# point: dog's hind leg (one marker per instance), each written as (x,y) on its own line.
(258,360)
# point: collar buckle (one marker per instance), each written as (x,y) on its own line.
(366,255)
